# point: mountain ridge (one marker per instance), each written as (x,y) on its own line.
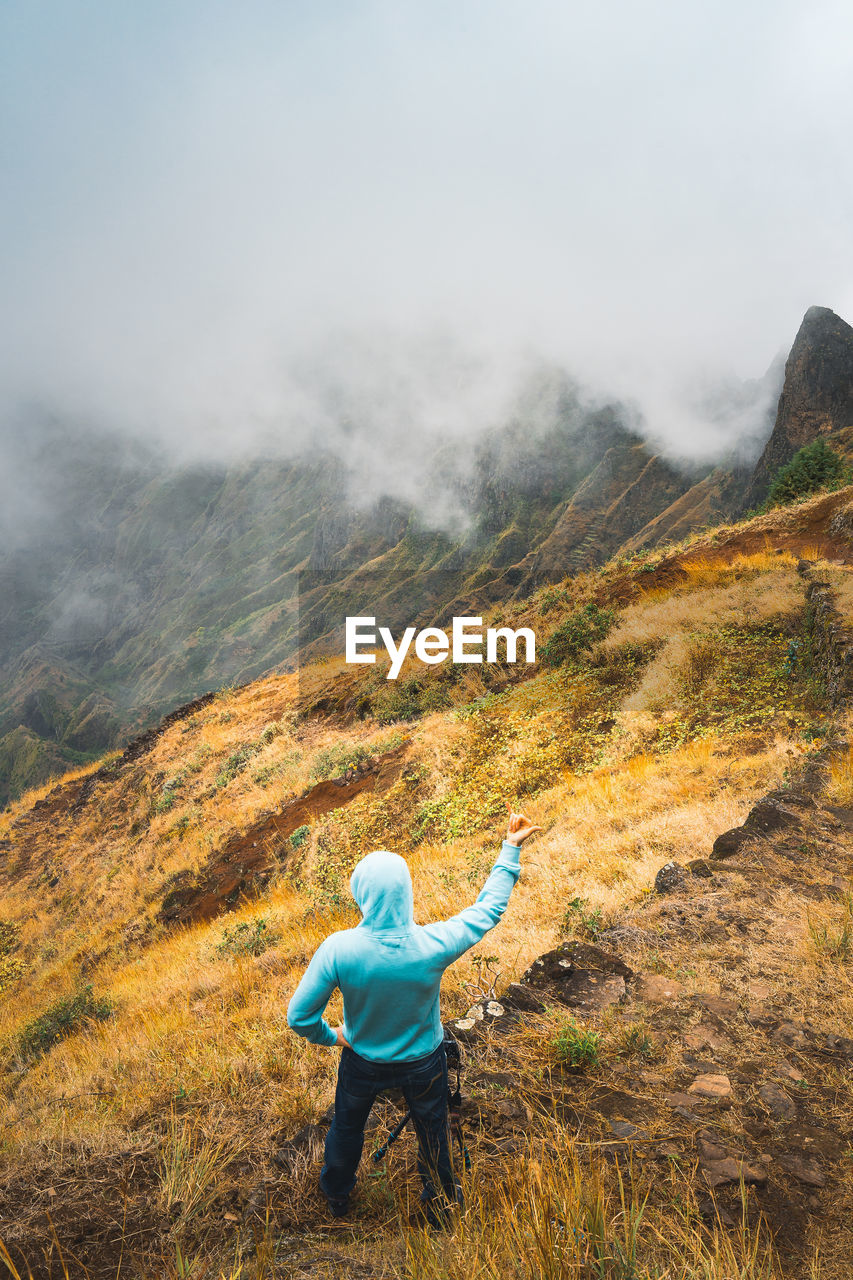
(179,583)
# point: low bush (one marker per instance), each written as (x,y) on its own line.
(579,915)
(580,631)
(248,938)
(236,763)
(812,469)
(61,1020)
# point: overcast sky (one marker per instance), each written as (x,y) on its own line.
(207,206)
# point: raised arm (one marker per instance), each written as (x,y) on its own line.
(465,930)
(305,1011)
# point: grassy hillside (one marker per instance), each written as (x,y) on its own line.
(157,910)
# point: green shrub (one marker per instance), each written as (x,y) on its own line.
(553,598)
(580,631)
(299,836)
(331,762)
(579,915)
(399,700)
(169,794)
(577,1047)
(812,469)
(61,1020)
(236,763)
(248,938)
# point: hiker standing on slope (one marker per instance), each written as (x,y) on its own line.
(389,972)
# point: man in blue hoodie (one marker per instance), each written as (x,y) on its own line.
(389,972)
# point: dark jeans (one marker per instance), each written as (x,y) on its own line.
(424,1085)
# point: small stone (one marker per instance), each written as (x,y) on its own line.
(652,1077)
(719,1006)
(711,1086)
(677,1100)
(804,1170)
(776,1100)
(706,1037)
(712,1211)
(654,988)
(719,1172)
(787,1072)
(712,1151)
(670,878)
(791,1035)
(622,1129)
(495,1010)
(727,844)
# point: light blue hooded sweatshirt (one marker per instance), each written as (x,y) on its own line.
(388,968)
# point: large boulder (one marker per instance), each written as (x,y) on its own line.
(579,975)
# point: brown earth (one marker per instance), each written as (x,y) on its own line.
(247,859)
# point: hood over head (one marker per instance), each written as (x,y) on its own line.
(382,887)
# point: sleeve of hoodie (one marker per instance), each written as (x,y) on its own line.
(305,1011)
(467,928)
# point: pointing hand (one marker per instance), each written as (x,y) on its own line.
(519,827)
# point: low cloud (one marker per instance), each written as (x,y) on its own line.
(390,229)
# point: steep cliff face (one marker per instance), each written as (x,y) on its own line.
(817,395)
(626,490)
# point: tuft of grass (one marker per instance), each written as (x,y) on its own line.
(634,1041)
(830,943)
(190,1163)
(554,1218)
(577,1047)
(335,760)
(840,787)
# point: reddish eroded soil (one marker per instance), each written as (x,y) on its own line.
(248,857)
(803,531)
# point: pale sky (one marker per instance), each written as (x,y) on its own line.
(241,222)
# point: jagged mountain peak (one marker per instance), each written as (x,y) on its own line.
(817,394)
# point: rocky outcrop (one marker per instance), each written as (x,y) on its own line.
(817,395)
(831,642)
